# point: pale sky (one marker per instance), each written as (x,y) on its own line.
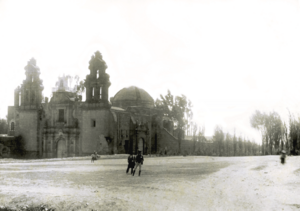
(228,57)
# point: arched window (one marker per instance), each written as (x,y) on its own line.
(97,74)
(93,92)
(12,126)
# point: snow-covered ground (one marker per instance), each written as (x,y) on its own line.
(166,183)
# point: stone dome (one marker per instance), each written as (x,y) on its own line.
(132,96)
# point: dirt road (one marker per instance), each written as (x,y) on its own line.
(166,183)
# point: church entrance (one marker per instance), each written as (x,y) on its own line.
(141,144)
(126,147)
(61,148)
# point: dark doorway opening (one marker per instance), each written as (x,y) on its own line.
(126,147)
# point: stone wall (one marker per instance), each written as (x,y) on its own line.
(167,140)
(91,135)
(123,129)
(51,138)
(187,147)
(10,119)
(27,127)
(7,145)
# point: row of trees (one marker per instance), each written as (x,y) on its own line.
(276,135)
(179,110)
(225,144)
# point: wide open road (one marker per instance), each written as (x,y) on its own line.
(166,183)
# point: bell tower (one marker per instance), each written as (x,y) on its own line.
(97,82)
(28,110)
(29,95)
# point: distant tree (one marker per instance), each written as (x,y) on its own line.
(228,144)
(274,129)
(294,129)
(249,147)
(255,148)
(235,146)
(188,117)
(241,145)
(77,87)
(285,138)
(195,129)
(201,139)
(71,79)
(80,88)
(219,140)
(175,108)
(257,121)
(271,128)
(245,146)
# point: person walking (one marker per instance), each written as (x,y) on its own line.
(139,159)
(131,163)
(93,158)
(283,157)
(96,155)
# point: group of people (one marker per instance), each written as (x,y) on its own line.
(134,162)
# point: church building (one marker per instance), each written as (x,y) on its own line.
(66,126)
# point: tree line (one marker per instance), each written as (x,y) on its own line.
(179,110)
(225,144)
(277,135)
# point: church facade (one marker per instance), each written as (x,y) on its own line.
(66,126)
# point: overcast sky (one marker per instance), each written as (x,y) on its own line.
(228,57)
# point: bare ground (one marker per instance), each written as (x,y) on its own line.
(166,183)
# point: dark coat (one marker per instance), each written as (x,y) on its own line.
(139,159)
(131,160)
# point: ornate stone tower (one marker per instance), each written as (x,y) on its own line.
(28,110)
(97,82)
(97,127)
(29,95)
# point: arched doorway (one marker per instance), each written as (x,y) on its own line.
(126,146)
(61,148)
(141,144)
